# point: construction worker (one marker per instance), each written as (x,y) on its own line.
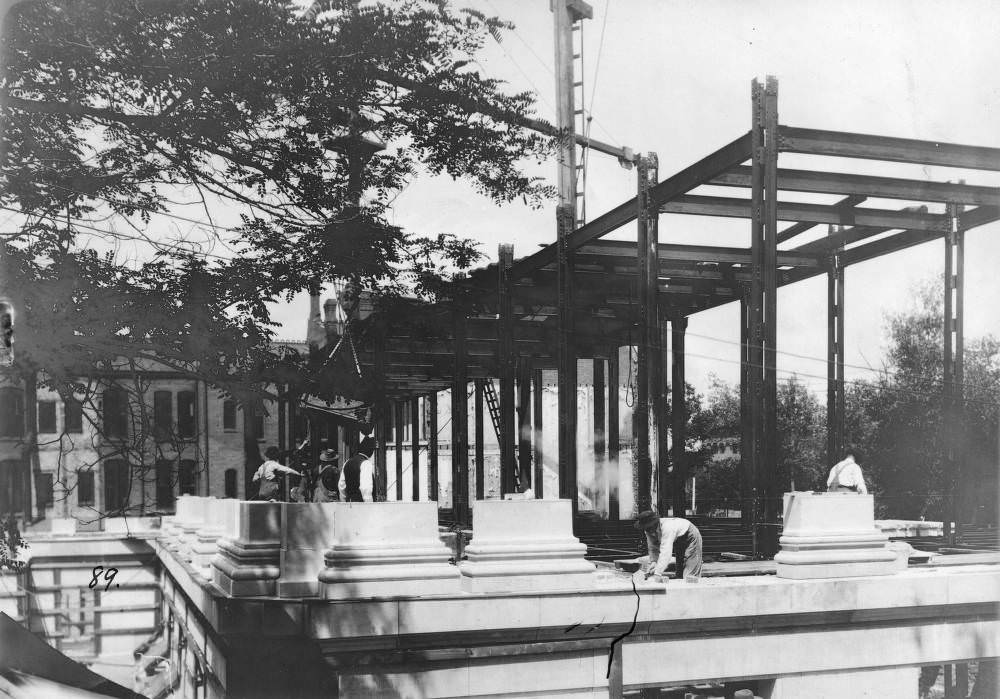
(671,534)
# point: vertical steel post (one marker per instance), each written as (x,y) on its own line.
(460,426)
(614,436)
(538,406)
(747,475)
(506,362)
(600,464)
(524,422)
(835,400)
(566,362)
(432,446)
(661,430)
(381,415)
(648,268)
(953,398)
(479,435)
(400,425)
(415,446)
(755,358)
(678,413)
(776,481)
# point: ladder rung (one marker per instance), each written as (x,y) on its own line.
(576,55)
(579,194)
(578,84)
(577,26)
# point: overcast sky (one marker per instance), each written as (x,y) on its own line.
(674,78)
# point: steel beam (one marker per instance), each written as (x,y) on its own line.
(867,186)
(673,253)
(774,483)
(884,246)
(902,150)
(697,205)
(415,447)
(690,177)
(835,360)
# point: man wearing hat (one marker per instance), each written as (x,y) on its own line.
(666,534)
(329,476)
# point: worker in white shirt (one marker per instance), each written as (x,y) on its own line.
(846,476)
(671,534)
(357,478)
(268,472)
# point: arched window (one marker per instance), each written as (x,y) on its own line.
(230,477)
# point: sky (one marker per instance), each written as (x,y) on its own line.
(674,78)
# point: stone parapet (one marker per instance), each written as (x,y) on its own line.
(248,559)
(832,535)
(386,549)
(307,530)
(189,526)
(206,539)
(520,545)
(909,527)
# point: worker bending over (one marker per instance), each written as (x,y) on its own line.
(671,534)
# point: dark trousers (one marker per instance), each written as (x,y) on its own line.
(687,553)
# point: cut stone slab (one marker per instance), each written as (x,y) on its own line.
(306,532)
(386,549)
(206,540)
(832,535)
(522,545)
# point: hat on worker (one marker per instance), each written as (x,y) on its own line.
(646,519)
(328,455)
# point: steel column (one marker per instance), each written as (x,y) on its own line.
(537,408)
(397,416)
(506,362)
(648,266)
(776,483)
(566,361)
(661,430)
(524,423)
(380,411)
(460,426)
(415,447)
(432,446)
(954,370)
(755,358)
(479,435)
(600,440)
(678,413)
(614,436)
(747,474)
(835,401)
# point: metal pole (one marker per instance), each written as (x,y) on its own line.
(614,437)
(953,423)
(538,406)
(505,360)
(566,363)
(400,438)
(661,430)
(678,328)
(747,476)
(648,268)
(835,360)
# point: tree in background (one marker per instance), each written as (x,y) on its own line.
(898,417)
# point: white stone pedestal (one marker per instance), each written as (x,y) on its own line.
(832,535)
(206,540)
(521,545)
(189,526)
(386,549)
(248,558)
(170,532)
(306,532)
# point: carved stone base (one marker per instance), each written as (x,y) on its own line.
(206,540)
(386,549)
(248,559)
(832,535)
(521,545)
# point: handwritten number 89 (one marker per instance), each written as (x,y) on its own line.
(109,575)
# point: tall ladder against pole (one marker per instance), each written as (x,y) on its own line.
(579,121)
(492,403)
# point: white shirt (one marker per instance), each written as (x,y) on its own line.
(847,474)
(367,484)
(661,547)
(268,469)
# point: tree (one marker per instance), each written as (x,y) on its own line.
(118,115)
(899,417)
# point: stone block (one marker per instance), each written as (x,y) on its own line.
(129,526)
(306,532)
(63,526)
(525,545)
(832,535)
(189,527)
(248,560)
(386,549)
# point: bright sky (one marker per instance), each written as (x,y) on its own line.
(674,78)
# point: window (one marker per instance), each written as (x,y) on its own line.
(43,490)
(72,416)
(47,416)
(187,477)
(11,412)
(115,412)
(185,414)
(230,477)
(229,415)
(163,415)
(165,484)
(85,487)
(258,425)
(11,481)
(116,482)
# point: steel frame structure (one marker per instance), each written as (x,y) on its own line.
(583,297)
